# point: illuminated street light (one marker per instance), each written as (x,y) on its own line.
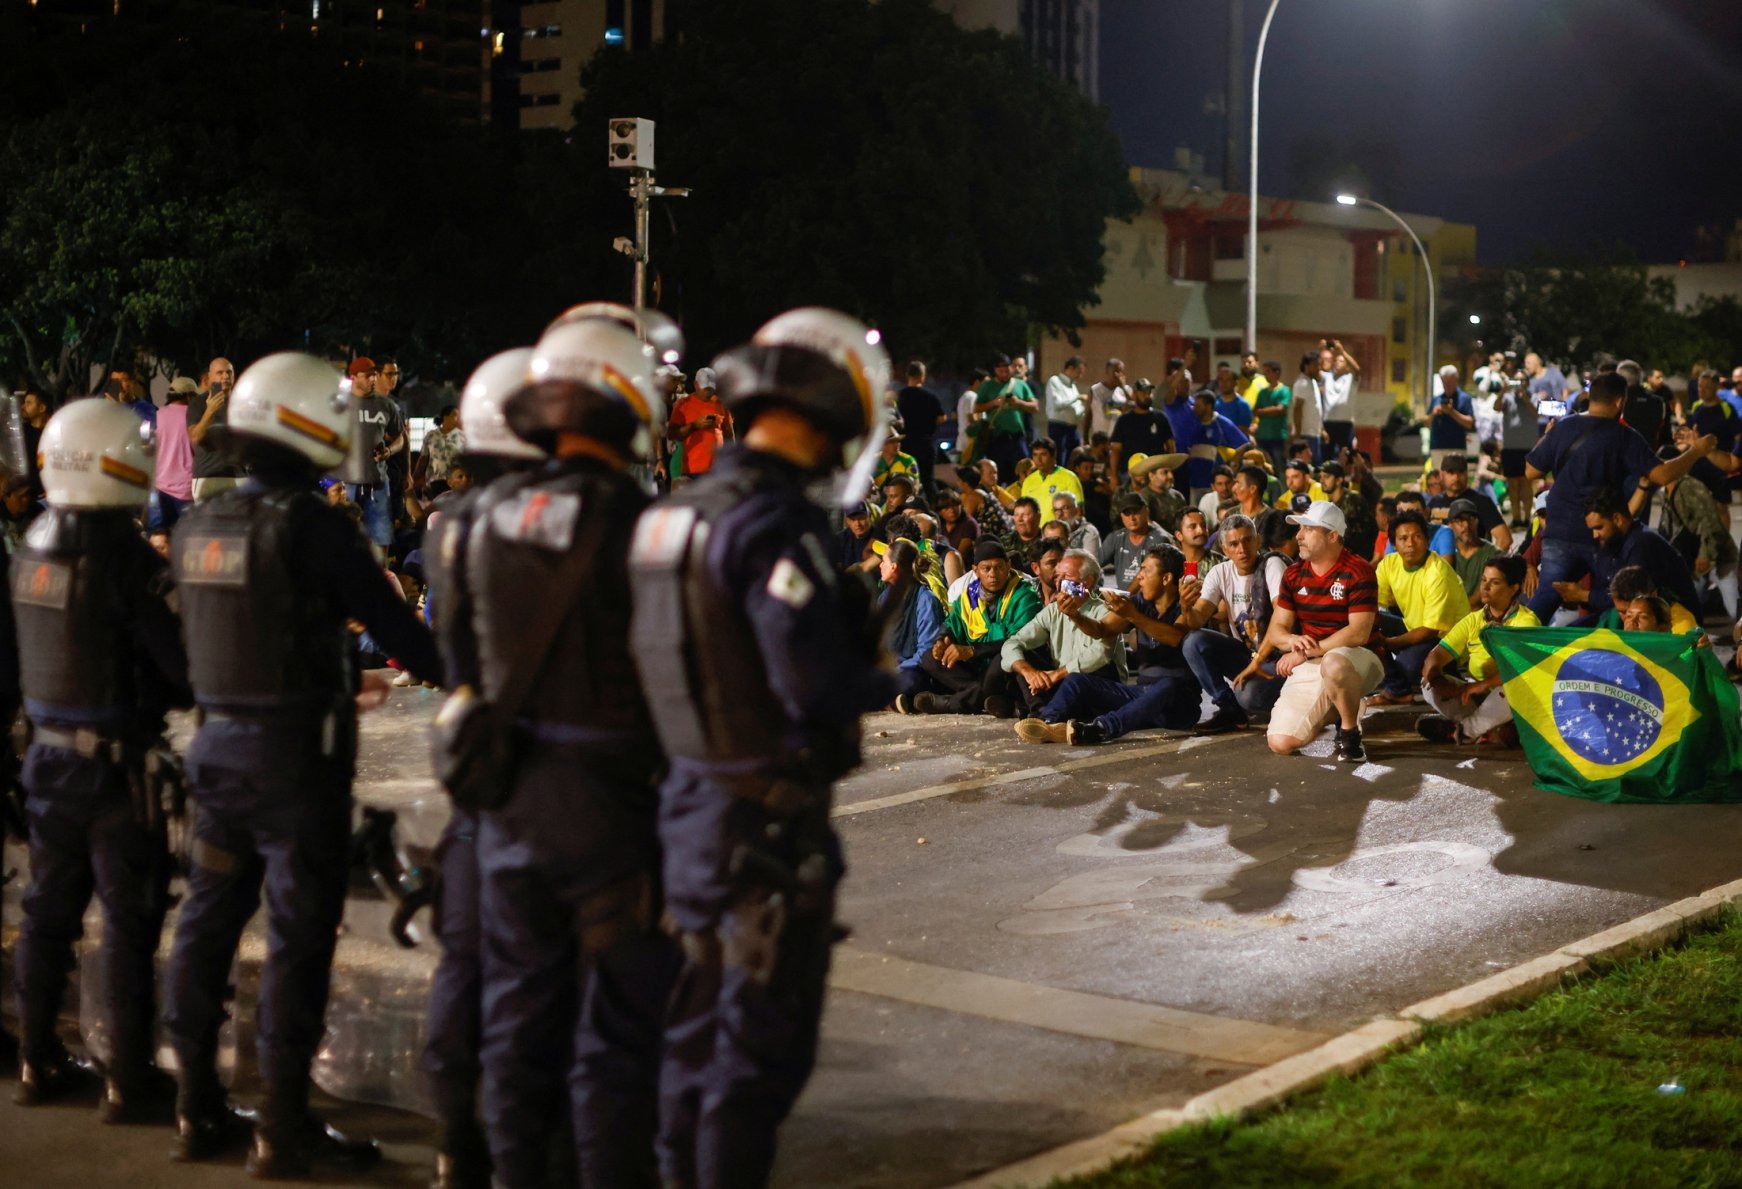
(1426,267)
(1475,319)
(1252,192)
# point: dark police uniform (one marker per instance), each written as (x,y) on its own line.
(268,575)
(100,651)
(570,861)
(757,661)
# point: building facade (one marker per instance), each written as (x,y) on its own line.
(1177,273)
(1063,36)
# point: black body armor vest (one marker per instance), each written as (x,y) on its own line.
(68,587)
(259,638)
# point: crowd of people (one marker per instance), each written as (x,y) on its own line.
(649,702)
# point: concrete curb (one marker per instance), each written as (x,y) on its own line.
(1360,1047)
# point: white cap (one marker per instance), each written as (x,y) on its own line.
(1322,514)
(705,379)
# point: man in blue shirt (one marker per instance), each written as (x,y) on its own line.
(1585,453)
(1714,414)
(1229,402)
(1622,541)
(1452,419)
(1209,433)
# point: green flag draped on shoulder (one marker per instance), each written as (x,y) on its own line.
(1621,716)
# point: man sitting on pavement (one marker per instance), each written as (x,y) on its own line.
(1331,595)
(1357,512)
(1297,479)
(1221,492)
(1044,569)
(1048,478)
(1152,478)
(1622,541)
(961,674)
(1455,477)
(1194,535)
(1240,594)
(1429,600)
(1081,534)
(1123,552)
(1250,484)
(1470,553)
(1475,709)
(1054,644)
(1024,532)
(1631,583)
(1091,708)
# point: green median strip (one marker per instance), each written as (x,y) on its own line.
(1630,1075)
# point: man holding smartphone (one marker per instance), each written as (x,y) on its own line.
(214,470)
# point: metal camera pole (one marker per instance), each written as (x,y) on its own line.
(629,144)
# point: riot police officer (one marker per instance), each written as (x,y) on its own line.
(567,851)
(268,575)
(101,659)
(758,662)
(452,1027)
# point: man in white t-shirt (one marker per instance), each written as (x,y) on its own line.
(1106,400)
(1306,408)
(1337,374)
(965,411)
(1241,591)
(1064,407)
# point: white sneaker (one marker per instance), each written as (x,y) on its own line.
(404,680)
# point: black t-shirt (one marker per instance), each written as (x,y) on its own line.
(210,463)
(1645,411)
(1143,433)
(920,410)
(1584,453)
(1488,516)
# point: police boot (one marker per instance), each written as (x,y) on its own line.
(289,1141)
(206,1125)
(58,1077)
(147,1097)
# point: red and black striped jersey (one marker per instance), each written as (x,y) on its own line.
(1322,602)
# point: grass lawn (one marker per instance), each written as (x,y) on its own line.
(1561,1092)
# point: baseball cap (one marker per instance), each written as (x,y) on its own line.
(1131,502)
(361,365)
(183,386)
(1322,514)
(1145,385)
(1462,508)
(705,378)
(1332,467)
(1297,464)
(987,548)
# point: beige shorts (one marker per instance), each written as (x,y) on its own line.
(1305,704)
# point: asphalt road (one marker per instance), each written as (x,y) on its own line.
(1048,941)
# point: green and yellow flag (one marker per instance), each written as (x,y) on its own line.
(1622,716)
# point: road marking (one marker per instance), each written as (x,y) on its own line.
(997,778)
(1075,1013)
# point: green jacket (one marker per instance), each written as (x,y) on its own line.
(1691,507)
(979,622)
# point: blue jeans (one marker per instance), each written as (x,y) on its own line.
(1278,452)
(163,511)
(1170,701)
(1215,659)
(1403,668)
(377,515)
(1562,561)
(1064,436)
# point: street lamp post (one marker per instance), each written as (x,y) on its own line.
(1428,268)
(1252,190)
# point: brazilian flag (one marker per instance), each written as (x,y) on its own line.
(1622,716)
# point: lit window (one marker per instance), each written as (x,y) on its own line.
(613,36)
(314,10)
(496,46)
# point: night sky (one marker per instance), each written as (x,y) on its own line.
(1547,123)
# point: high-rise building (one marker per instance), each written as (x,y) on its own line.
(1063,36)
(557,37)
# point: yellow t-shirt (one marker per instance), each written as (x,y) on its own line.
(1041,488)
(1251,391)
(1465,638)
(1314,492)
(1429,596)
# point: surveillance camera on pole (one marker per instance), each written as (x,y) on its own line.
(629,145)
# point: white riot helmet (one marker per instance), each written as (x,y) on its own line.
(654,328)
(828,366)
(298,402)
(97,454)
(593,377)
(495,380)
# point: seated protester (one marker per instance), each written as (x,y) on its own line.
(899,495)
(1083,535)
(1470,553)
(893,461)
(980,503)
(1429,599)
(1094,708)
(959,529)
(1250,485)
(1440,539)
(1326,668)
(1692,522)
(853,542)
(1046,562)
(1221,492)
(1622,541)
(1194,536)
(1357,512)
(1278,532)
(1124,551)
(1098,488)
(961,673)
(1236,596)
(1152,478)
(1383,511)
(1024,533)
(1474,708)
(915,615)
(932,541)
(1297,479)
(1636,582)
(1054,644)
(1646,614)
(929,567)
(1046,479)
(1455,485)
